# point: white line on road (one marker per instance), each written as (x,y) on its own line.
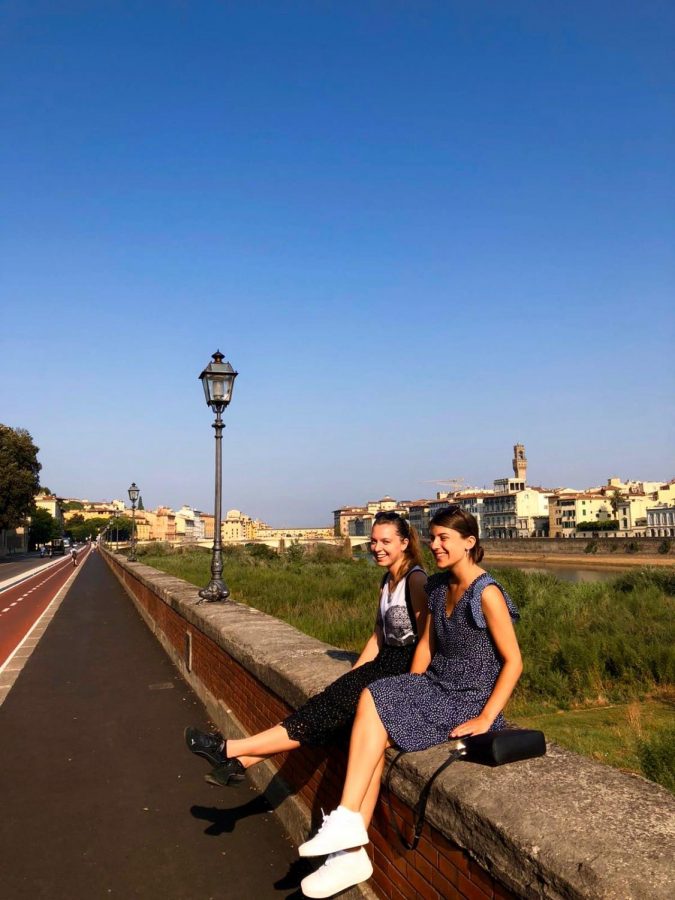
(60,594)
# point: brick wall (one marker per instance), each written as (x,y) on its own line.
(561,827)
(436,870)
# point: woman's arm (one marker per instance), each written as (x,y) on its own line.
(372,648)
(419,599)
(425,649)
(503,634)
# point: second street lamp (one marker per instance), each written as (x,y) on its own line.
(133,496)
(218,381)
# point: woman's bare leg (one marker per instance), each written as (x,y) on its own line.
(373,792)
(366,755)
(254,749)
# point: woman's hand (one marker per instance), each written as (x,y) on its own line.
(479,725)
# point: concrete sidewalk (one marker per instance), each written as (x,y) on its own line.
(99,797)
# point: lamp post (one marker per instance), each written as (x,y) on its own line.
(133,496)
(218,381)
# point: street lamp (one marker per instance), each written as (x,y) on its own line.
(218,381)
(133,496)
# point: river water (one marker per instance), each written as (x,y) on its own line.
(564,573)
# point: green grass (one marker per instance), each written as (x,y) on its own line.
(617,735)
(598,658)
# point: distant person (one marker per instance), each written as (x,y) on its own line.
(466,665)
(73,556)
(401,617)
(42,552)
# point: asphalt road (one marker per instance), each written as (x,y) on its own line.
(12,567)
(23,602)
(99,797)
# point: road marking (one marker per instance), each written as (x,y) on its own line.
(53,604)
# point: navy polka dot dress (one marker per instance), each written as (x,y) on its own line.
(419,711)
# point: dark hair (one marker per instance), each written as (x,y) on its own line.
(453,516)
(413,552)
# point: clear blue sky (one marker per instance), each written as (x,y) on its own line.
(421,231)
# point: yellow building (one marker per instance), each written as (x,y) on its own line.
(51,504)
(237,527)
(567,508)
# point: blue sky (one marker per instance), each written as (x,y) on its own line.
(420,231)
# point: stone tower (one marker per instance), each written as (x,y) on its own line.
(520,462)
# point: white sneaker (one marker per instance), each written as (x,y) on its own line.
(341,830)
(340,871)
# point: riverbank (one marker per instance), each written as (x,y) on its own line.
(592,560)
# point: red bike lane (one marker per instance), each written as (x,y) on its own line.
(22,604)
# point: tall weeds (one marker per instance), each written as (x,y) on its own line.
(582,643)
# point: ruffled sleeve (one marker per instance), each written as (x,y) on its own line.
(477,607)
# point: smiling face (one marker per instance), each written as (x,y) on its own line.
(387,545)
(448,546)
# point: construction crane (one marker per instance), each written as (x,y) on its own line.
(454,484)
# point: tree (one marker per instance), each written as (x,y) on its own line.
(615,501)
(80,529)
(120,528)
(43,527)
(73,504)
(19,476)
(140,502)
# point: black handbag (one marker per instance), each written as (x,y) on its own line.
(494,748)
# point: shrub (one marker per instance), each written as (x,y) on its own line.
(664,547)
(600,525)
(657,757)
(632,547)
(591,547)
(261,551)
(294,553)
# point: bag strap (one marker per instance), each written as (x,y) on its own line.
(420,809)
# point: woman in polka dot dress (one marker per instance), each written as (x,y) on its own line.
(401,616)
(465,668)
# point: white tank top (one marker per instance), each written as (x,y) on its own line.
(393,616)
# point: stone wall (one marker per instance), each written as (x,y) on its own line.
(616,547)
(557,827)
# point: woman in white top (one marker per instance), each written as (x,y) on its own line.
(401,617)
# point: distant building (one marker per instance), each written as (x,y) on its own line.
(237,527)
(186,531)
(661,521)
(51,504)
(164,524)
(515,510)
(289,534)
(209,525)
(386,504)
(344,515)
(567,509)
(474,503)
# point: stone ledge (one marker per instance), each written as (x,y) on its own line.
(561,826)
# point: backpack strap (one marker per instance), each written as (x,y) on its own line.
(420,809)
